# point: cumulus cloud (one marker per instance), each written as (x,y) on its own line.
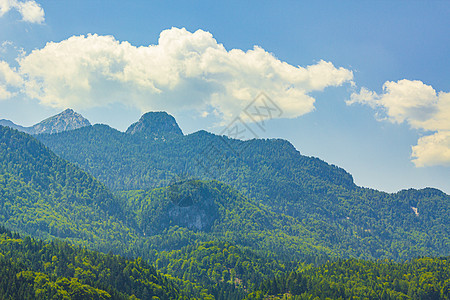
(9,80)
(419,105)
(432,150)
(29,10)
(183,71)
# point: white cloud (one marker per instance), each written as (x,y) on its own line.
(183,71)
(364,97)
(5,45)
(29,10)
(9,79)
(422,108)
(432,150)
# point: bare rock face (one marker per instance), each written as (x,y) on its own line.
(195,217)
(191,205)
(64,121)
(156,125)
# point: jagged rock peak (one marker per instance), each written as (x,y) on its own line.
(66,120)
(156,125)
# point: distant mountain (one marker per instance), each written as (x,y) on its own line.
(156,125)
(66,120)
(8,123)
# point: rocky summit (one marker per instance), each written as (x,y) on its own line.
(66,120)
(156,125)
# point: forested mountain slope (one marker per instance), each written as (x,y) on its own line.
(46,196)
(211,210)
(33,269)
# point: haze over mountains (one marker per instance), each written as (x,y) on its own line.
(186,202)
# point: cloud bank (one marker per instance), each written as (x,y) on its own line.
(422,108)
(29,10)
(184,71)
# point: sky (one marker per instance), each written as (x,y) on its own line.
(364,85)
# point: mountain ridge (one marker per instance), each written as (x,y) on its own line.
(153,124)
(315,197)
(11,124)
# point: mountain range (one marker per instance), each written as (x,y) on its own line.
(235,213)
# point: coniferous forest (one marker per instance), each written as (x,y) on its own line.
(151,213)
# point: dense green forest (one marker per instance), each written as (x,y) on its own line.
(217,217)
(422,278)
(33,269)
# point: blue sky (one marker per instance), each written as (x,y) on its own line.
(361,84)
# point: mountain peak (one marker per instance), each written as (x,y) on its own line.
(66,120)
(68,111)
(157,125)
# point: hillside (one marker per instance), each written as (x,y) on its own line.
(45,196)
(33,269)
(211,210)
